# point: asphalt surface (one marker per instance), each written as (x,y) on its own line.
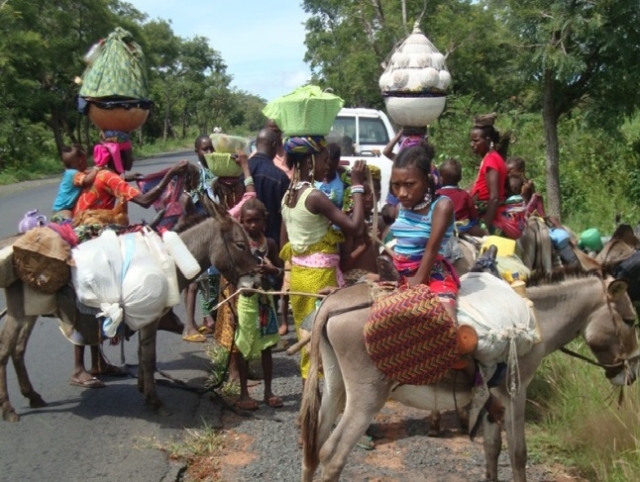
(95,434)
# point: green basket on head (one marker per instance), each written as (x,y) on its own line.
(305,111)
(221,164)
(116,68)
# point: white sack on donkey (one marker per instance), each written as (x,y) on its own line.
(120,276)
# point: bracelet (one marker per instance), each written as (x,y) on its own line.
(357,190)
(357,186)
(248,181)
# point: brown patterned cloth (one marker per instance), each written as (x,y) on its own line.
(225,326)
(410,336)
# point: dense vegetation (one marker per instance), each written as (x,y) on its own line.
(562,74)
(42,45)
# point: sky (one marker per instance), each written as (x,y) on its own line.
(260,41)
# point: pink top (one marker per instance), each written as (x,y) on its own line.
(235,210)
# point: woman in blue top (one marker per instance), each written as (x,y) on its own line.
(424,224)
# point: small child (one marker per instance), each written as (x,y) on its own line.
(75,178)
(466,214)
(519,185)
(332,185)
(257,329)
(358,254)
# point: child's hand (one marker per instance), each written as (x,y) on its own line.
(240,157)
(357,172)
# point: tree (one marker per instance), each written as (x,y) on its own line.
(576,54)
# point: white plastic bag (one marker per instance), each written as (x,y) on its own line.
(500,316)
(97,274)
(166,263)
(144,286)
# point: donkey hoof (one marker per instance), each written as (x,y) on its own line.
(158,408)
(37,402)
(434,432)
(11,416)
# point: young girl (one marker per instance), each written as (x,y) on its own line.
(307,240)
(423,227)
(257,329)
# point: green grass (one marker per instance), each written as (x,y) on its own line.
(574,418)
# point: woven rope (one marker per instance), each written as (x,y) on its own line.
(410,336)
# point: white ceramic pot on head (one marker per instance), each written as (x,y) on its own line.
(415,111)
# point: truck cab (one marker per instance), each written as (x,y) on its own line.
(363,134)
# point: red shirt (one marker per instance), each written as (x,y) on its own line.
(480,189)
(106,189)
(463,205)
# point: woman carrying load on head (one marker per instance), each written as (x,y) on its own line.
(113,155)
(489,189)
(308,241)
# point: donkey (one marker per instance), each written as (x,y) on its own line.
(219,240)
(597,308)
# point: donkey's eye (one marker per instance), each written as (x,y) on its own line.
(241,246)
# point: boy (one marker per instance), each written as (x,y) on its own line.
(466,214)
(332,185)
(75,178)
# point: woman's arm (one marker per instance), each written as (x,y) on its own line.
(388,149)
(441,220)
(284,237)
(249,187)
(147,199)
(319,203)
(492,179)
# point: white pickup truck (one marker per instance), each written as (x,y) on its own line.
(363,134)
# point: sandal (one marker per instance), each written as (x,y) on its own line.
(249,405)
(90,383)
(274,402)
(205,330)
(366,443)
(195,338)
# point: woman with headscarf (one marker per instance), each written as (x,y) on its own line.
(308,241)
(114,157)
(489,189)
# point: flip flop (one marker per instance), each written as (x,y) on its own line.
(274,402)
(205,330)
(111,371)
(195,338)
(249,405)
(91,383)
(366,443)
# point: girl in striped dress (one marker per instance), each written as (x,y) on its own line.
(424,225)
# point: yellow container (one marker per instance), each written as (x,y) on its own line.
(506,246)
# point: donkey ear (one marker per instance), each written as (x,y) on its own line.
(625,233)
(616,289)
(587,263)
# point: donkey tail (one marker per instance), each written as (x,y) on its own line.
(310,408)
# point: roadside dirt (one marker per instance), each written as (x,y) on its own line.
(403,453)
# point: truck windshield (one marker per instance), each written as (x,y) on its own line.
(373,131)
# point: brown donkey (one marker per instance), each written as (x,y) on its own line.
(219,241)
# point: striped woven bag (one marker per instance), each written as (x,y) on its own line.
(410,336)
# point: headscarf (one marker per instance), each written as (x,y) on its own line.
(110,146)
(410,141)
(304,144)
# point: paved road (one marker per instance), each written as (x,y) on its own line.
(100,434)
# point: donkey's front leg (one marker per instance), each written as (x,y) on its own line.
(147,361)
(492,442)
(8,339)
(35,400)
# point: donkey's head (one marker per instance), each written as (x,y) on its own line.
(611,334)
(230,252)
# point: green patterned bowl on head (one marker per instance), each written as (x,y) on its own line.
(221,164)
